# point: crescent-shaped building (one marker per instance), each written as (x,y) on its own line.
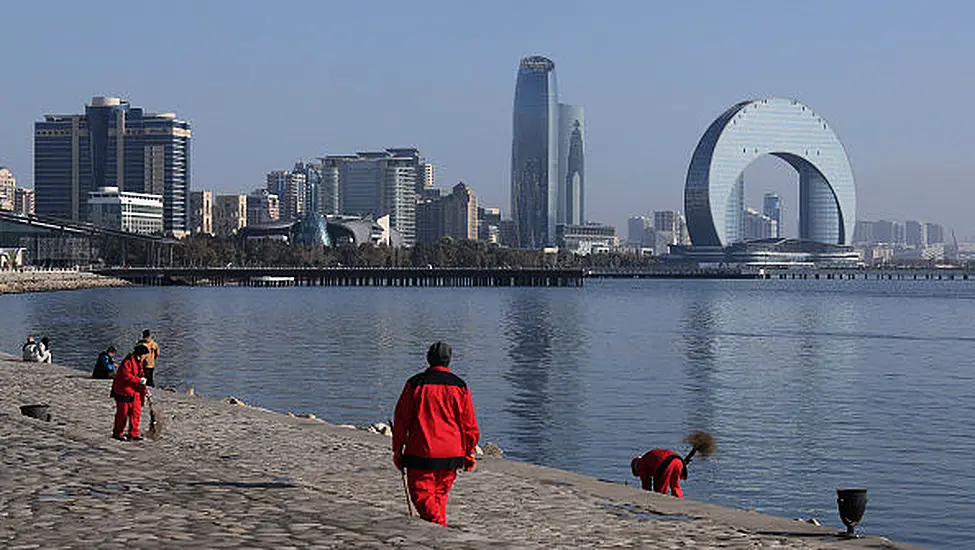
(785,128)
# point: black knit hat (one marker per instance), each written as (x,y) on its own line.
(439,354)
(140,350)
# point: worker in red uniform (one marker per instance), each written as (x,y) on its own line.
(129,391)
(660,470)
(434,434)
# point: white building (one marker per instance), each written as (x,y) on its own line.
(8,189)
(123,211)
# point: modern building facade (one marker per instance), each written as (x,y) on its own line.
(290,188)
(587,238)
(786,129)
(24,201)
(489,224)
(112,145)
(454,215)
(201,212)
(229,214)
(772,207)
(535,153)
(262,207)
(124,211)
(572,165)
(758,226)
(376,184)
(8,189)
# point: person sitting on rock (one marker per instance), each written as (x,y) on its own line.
(660,470)
(130,391)
(105,365)
(435,433)
(45,350)
(31,351)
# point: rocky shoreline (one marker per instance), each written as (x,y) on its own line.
(224,474)
(15,282)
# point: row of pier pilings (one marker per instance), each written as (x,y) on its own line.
(879,275)
(372,277)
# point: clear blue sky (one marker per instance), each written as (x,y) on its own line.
(268,83)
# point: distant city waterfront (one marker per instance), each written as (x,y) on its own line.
(808,385)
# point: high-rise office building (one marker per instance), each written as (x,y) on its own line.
(914,233)
(229,214)
(639,232)
(489,224)
(535,153)
(935,233)
(8,189)
(24,201)
(759,226)
(376,184)
(201,212)
(112,145)
(460,213)
(314,179)
(290,187)
(669,227)
(572,164)
(262,207)
(772,207)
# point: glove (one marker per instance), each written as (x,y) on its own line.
(397,461)
(142,381)
(470,463)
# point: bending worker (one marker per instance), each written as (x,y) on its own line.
(129,391)
(660,470)
(434,434)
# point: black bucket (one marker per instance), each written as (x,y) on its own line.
(852,503)
(36,411)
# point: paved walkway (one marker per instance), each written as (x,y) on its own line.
(231,476)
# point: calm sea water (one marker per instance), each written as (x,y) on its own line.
(809,386)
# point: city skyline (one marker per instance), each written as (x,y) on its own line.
(868,79)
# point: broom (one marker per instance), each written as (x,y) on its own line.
(701,442)
(155,420)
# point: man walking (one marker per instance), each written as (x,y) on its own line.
(154,352)
(434,434)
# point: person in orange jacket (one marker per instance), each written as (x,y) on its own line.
(434,434)
(154,352)
(130,391)
(660,470)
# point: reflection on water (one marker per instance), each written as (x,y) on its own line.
(808,385)
(545,350)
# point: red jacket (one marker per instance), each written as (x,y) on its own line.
(128,378)
(435,427)
(656,469)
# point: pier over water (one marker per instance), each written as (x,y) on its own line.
(349,276)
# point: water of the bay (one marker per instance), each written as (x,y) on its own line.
(809,386)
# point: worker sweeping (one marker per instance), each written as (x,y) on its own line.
(434,434)
(661,470)
(130,391)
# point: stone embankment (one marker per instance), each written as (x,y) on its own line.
(13,282)
(227,475)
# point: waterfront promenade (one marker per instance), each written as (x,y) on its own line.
(13,282)
(224,475)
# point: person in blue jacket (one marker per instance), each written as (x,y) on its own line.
(105,366)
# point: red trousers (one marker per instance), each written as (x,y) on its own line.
(131,412)
(429,490)
(670,479)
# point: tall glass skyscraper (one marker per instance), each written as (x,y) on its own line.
(535,153)
(112,145)
(572,163)
(772,207)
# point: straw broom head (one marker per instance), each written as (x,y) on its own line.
(702,442)
(155,422)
